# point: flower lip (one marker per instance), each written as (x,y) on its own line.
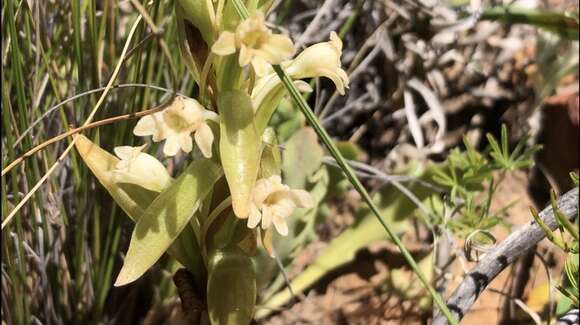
(175,125)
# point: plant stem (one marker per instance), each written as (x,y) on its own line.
(313,120)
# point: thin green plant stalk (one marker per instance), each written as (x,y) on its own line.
(561,218)
(351,19)
(560,23)
(15,267)
(17,73)
(295,94)
(313,120)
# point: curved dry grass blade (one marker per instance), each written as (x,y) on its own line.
(71,132)
(86,93)
(435,107)
(412,120)
(12,213)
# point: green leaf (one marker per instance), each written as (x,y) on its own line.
(240,148)
(302,157)
(166,217)
(569,287)
(349,150)
(562,220)
(571,268)
(338,184)
(504,141)
(231,287)
(403,283)
(549,233)
(230,19)
(264,5)
(228,73)
(226,230)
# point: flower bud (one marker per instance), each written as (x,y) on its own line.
(139,168)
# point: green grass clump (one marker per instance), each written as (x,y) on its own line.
(62,248)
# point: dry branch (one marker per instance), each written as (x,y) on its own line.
(503,255)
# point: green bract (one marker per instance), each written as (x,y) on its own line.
(134,200)
(240,146)
(231,287)
(166,217)
(201,14)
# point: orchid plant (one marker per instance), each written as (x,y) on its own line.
(229,200)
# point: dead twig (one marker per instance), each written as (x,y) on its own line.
(504,254)
(194,307)
(72,131)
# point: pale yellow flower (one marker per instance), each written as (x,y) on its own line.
(256,43)
(320,60)
(139,168)
(273,202)
(175,125)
